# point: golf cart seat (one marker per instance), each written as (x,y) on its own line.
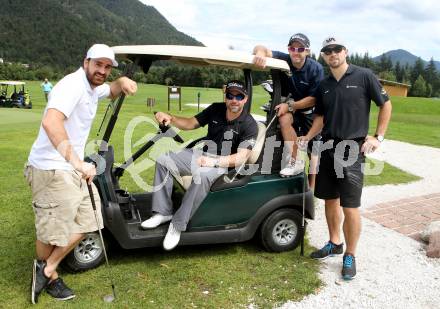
(185,181)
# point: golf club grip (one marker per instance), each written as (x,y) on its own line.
(92,196)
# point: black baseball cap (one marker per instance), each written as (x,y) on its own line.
(236,85)
(301,38)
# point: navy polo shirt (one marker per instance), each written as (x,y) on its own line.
(305,81)
(227,136)
(345,104)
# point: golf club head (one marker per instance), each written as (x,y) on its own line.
(109,298)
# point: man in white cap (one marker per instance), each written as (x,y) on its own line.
(342,111)
(56,170)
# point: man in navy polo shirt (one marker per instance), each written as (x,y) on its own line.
(306,75)
(231,135)
(342,111)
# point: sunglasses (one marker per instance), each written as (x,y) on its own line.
(297,49)
(329,50)
(231,96)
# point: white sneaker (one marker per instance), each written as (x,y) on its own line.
(155,221)
(293,168)
(171,238)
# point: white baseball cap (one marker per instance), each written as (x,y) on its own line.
(332,40)
(101,51)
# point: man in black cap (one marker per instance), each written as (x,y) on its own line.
(306,75)
(342,112)
(231,135)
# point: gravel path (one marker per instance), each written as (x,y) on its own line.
(392,269)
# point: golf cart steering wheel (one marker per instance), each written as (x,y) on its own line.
(168,131)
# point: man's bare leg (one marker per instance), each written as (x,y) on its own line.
(352,229)
(56,254)
(313,170)
(288,133)
(333,215)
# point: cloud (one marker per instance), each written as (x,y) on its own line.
(375,26)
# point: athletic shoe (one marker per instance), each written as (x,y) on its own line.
(39,280)
(155,221)
(348,267)
(330,249)
(172,238)
(293,168)
(59,290)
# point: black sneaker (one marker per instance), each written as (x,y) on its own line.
(39,280)
(330,249)
(348,267)
(59,290)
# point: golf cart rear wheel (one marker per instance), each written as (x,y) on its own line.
(281,231)
(88,254)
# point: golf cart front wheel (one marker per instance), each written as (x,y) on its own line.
(281,231)
(88,254)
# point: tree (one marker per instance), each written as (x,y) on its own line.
(385,64)
(417,70)
(419,88)
(431,76)
(367,62)
(399,72)
(388,75)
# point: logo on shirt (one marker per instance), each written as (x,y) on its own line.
(228,135)
(303,82)
(351,86)
(215,122)
(326,91)
(383,91)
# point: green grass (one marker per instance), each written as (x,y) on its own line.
(233,275)
(414,120)
(220,276)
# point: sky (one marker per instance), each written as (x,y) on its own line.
(374,26)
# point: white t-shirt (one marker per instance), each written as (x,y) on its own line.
(74,97)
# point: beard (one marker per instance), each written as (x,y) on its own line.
(235,108)
(336,63)
(95,79)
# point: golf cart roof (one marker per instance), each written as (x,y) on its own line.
(196,55)
(9,82)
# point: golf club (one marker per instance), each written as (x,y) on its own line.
(229,180)
(107,298)
(303,228)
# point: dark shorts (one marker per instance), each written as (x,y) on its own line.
(336,180)
(302,124)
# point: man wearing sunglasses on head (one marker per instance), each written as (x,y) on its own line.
(306,75)
(342,111)
(232,132)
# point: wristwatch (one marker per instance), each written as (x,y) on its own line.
(380,138)
(216,163)
(291,105)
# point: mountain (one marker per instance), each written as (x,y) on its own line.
(404,57)
(58,32)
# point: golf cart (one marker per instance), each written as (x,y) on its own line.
(259,204)
(14,94)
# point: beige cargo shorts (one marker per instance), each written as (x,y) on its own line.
(62,205)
